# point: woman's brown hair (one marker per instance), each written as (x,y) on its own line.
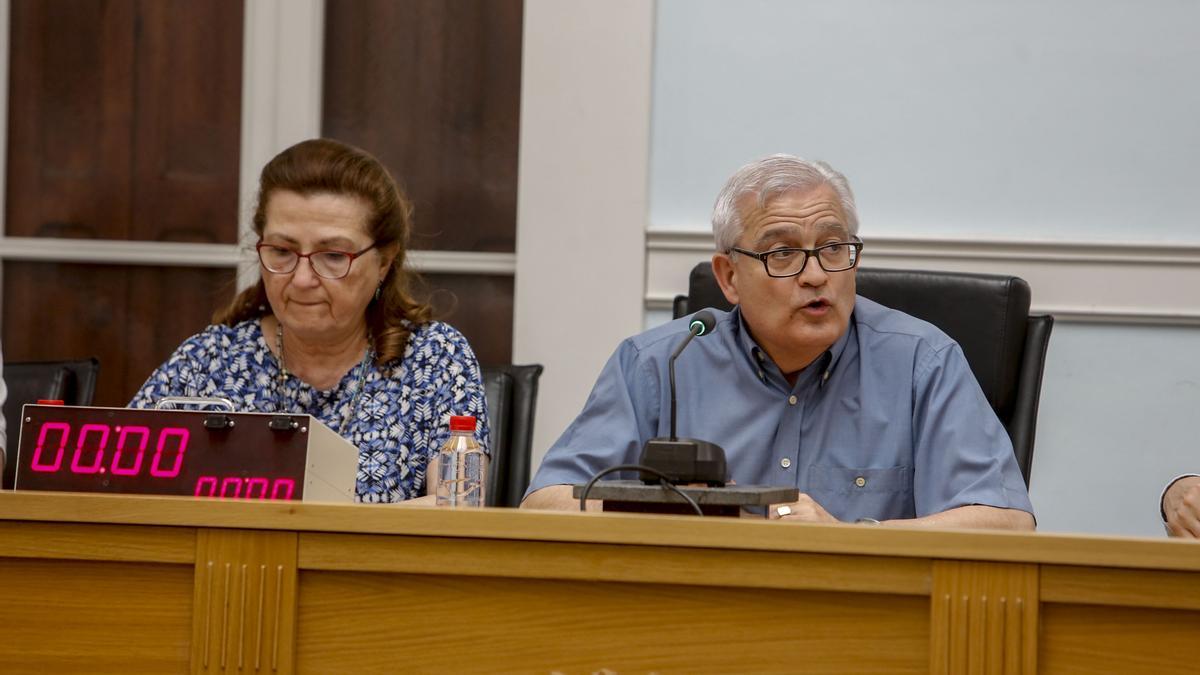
(326,166)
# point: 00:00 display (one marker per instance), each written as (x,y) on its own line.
(206,486)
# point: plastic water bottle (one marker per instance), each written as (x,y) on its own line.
(461,466)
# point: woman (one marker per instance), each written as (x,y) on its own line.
(331,329)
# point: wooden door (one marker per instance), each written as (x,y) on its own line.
(433,89)
(123,125)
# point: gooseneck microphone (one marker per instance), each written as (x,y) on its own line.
(677,474)
(685,460)
(702,323)
(674,461)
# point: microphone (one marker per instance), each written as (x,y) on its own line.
(702,324)
(685,460)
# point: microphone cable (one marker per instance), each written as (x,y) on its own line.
(663,480)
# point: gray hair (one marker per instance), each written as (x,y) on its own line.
(768,178)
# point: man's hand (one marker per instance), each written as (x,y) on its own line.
(557,498)
(1181,504)
(807,510)
(804,510)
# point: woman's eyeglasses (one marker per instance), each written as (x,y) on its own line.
(326,264)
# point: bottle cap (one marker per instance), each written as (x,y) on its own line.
(462,423)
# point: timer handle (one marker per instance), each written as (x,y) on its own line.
(198,401)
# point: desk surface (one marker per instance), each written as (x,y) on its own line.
(610,528)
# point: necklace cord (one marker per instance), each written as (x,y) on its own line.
(282,381)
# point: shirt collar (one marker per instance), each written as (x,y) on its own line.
(820,370)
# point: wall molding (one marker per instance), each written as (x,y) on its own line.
(173,254)
(1109,282)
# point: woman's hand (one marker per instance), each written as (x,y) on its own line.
(427,500)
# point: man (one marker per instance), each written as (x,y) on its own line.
(1180,506)
(874,415)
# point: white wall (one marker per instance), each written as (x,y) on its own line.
(581,196)
(1119,411)
(1056,140)
(1037,118)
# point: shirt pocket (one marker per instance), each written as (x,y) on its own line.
(850,493)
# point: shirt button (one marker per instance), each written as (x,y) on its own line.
(785,462)
(760,374)
(758,355)
(792,400)
(860,481)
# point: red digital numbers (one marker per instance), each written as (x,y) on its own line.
(143,438)
(83,455)
(234,487)
(92,443)
(39,463)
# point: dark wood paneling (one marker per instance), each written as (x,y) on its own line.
(70,118)
(188,131)
(131,318)
(432,88)
(124,119)
(480,307)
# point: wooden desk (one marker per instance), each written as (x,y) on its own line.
(124,584)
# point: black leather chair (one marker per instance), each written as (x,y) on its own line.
(988,315)
(72,382)
(512,400)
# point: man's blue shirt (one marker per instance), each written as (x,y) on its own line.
(888,423)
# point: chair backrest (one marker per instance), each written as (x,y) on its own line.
(511,393)
(72,382)
(987,315)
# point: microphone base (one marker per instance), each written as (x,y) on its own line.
(720,510)
(684,460)
(633,496)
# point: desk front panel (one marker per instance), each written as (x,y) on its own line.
(125,584)
(443,623)
(95,617)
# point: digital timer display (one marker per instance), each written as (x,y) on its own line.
(174,452)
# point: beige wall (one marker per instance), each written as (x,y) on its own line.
(582,194)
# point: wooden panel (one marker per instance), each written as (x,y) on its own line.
(1096,640)
(431,555)
(984,618)
(432,88)
(189,96)
(70,118)
(245,601)
(1129,588)
(131,318)
(347,623)
(124,119)
(166,306)
(480,307)
(97,542)
(94,617)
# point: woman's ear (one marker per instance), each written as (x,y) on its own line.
(387,256)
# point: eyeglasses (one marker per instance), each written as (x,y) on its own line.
(788,262)
(326,264)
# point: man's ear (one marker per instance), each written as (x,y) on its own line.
(726,276)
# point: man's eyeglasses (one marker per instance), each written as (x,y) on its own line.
(326,264)
(788,262)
